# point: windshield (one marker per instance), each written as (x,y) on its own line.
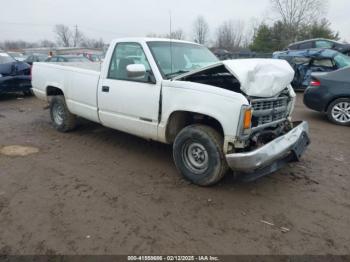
(5,58)
(176,58)
(342,60)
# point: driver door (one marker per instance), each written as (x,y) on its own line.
(125,103)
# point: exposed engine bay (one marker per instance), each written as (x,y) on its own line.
(217,76)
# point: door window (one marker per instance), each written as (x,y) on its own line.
(324,44)
(306,45)
(323,63)
(128,54)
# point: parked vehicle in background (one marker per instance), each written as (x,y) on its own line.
(306,62)
(17,56)
(320,43)
(94,57)
(330,93)
(14,75)
(217,115)
(223,54)
(68,59)
(36,58)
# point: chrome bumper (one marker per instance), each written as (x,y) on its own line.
(294,142)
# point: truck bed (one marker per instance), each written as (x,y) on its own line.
(77,81)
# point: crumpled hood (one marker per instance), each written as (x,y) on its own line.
(258,77)
(261,77)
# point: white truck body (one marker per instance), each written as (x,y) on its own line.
(145,108)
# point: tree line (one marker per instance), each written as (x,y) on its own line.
(293,20)
(64,37)
(297,20)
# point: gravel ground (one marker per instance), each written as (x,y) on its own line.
(99,191)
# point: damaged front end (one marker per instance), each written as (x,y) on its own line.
(266,138)
(271,156)
(271,141)
(271,117)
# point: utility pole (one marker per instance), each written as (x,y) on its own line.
(76,36)
(171,42)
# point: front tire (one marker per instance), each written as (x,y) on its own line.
(198,155)
(339,112)
(62,120)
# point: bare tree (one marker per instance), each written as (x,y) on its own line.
(230,35)
(177,34)
(297,13)
(250,32)
(92,43)
(63,35)
(47,43)
(200,30)
(17,44)
(154,35)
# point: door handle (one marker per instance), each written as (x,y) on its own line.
(105,89)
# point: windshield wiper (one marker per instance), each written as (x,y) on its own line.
(176,73)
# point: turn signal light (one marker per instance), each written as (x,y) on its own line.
(247,119)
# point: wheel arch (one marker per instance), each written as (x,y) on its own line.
(178,120)
(333,99)
(53,90)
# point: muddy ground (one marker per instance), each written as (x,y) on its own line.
(99,191)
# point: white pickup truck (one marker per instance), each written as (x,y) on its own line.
(218,115)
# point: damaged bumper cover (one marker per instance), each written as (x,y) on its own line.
(272,156)
(15,83)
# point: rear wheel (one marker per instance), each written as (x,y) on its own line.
(339,112)
(198,155)
(62,119)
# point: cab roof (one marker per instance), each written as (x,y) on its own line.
(151,39)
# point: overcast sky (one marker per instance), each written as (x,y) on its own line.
(33,20)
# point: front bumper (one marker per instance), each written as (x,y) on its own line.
(273,155)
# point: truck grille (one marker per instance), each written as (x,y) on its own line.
(270,110)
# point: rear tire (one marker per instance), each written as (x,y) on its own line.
(198,155)
(62,119)
(339,112)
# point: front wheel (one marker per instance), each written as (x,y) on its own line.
(198,155)
(339,112)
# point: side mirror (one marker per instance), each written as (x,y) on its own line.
(136,71)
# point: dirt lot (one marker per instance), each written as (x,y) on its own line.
(99,191)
